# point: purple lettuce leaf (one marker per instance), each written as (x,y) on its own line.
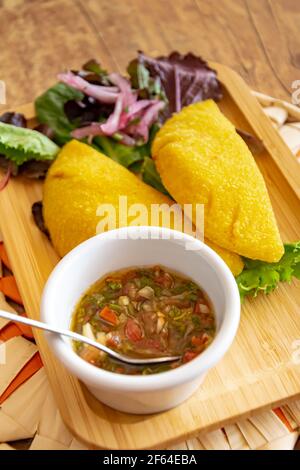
(185,79)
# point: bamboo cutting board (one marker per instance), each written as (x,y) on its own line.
(257,373)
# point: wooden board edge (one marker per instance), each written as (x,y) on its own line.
(28,110)
(193,433)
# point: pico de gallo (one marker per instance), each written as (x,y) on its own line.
(144,312)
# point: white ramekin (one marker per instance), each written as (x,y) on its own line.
(141,246)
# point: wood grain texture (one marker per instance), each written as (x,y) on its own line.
(257,373)
(257,38)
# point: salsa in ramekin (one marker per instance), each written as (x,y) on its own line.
(144,312)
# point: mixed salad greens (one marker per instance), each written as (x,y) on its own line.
(120,116)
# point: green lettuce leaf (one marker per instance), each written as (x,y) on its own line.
(147,86)
(49,109)
(21,145)
(136,158)
(122,154)
(151,176)
(259,276)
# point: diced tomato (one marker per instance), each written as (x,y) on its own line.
(129,276)
(197,307)
(109,315)
(133,331)
(113,341)
(207,320)
(197,340)
(189,355)
(165,280)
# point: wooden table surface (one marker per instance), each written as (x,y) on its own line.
(258,38)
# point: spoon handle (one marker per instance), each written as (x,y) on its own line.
(25,321)
(55,330)
(84,339)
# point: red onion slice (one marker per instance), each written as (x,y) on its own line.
(5,179)
(101,93)
(148,119)
(129,96)
(92,130)
(112,124)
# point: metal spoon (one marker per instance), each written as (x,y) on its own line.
(84,339)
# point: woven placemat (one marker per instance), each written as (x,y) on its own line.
(29,418)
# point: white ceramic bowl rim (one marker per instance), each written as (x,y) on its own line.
(180,375)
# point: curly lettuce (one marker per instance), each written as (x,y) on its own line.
(20,145)
(259,276)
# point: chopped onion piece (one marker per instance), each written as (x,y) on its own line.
(203,308)
(129,97)
(101,93)
(147,292)
(88,331)
(148,119)
(92,130)
(112,124)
